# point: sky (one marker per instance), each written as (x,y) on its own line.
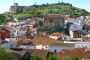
(5,4)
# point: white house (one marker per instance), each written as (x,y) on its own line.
(57,47)
(45,47)
(9,45)
(28,46)
(75,31)
(82,44)
(34,47)
(75,35)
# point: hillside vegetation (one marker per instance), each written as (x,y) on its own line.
(60,7)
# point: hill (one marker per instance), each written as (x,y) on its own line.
(60,7)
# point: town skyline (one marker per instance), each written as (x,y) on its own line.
(5,5)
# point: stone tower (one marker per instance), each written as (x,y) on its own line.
(15,4)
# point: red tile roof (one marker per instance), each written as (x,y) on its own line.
(55,34)
(7,28)
(38,52)
(77,52)
(63,44)
(38,40)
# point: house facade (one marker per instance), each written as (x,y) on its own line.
(57,47)
(75,34)
(82,44)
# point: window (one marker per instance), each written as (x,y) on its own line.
(55,51)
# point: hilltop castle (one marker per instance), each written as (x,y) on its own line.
(17,9)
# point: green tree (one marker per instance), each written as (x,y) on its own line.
(51,57)
(4,55)
(40,23)
(76,58)
(35,58)
(67,58)
(60,7)
(2,19)
(72,58)
(50,11)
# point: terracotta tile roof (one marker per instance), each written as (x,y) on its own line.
(55,34)
(8,28)
(16,54)
(23,41)
(63,44)
(16,26)
(77,52)
(38,52)
(44,40)
(38,40)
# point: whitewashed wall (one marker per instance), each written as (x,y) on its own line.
(82,44)
(42,47)
(58,48)
(27,47)
(39,47)
(21,33)
(8,45)
(71,34)
(54,37)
